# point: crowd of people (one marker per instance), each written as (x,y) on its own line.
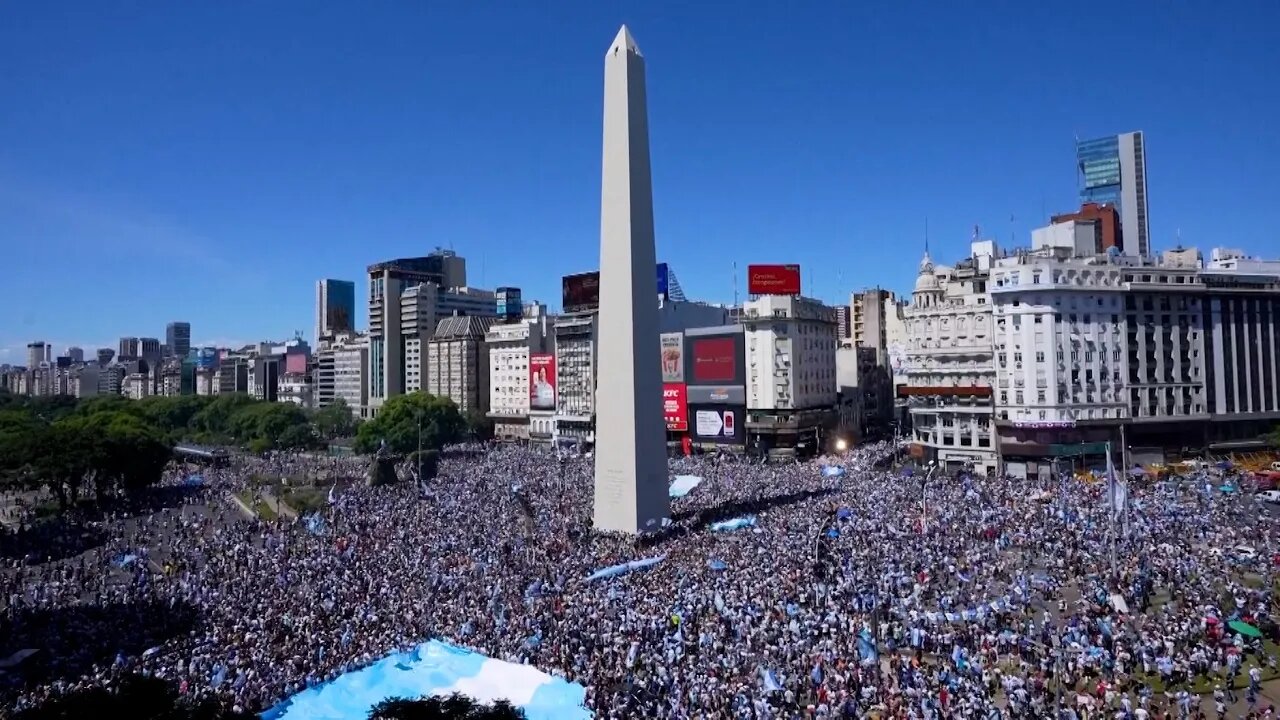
(856,589)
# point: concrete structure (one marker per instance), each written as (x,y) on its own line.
(1101,223)
(105,356)
(111,379)
(791,372)
(75,354)
(457,363)
(630,458)
(36,354)
(84,381)
(341,366)
(1236,261)
(509,347)
(136,386)
(128,349)
(576,349)
(1113,170)
(950,363)
(407,299)
(844,325)
(335,308)
(1241,312)
(177,338)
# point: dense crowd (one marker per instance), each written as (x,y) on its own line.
(858,592)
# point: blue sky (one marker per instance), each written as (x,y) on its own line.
(208,161)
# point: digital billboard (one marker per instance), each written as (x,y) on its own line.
(773,279)
(720,424)
(672,345)
(714,359)
(675,409)
(580,292)
(542,381)
(715,356)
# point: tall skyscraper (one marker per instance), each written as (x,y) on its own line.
(128,349)
(177,337)
(1113,170)
(76,354)
(631,487)
(35,354)
(335,307)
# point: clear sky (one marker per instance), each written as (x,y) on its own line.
(208,161)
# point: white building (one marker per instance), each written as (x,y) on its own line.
(1059,340)
(950,364)
(510,345)
(136,386)
(791,383)
(1228,259)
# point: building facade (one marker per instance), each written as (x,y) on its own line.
(1113,171)
(458,362)
(950,363)
(510,347)
(177,338)
(791,384)
(335,308)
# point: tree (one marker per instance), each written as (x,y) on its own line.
(134,697)
(334,420)
(398,422)
(479,425)
(453,707)
(214,420)
(430,462)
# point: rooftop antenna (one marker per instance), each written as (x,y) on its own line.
(926,235)
(735,283)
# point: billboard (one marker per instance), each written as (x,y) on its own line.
(713,360)
(719,424)
(580,292)
(675,409)
(773,279)
(542,381)
(664,282)
(672,345)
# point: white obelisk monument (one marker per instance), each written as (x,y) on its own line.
(631,451)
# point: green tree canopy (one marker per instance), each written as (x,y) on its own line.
(398,421)
(334,420)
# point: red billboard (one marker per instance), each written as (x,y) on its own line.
(714,360)
(542,381)
(580,292)
(675,409)
(773,279)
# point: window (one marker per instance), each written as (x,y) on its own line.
(1039,356)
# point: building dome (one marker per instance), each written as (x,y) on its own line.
(927,281)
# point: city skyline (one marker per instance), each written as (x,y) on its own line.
(976,140)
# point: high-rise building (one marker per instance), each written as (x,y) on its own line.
(105,356)
(35,354)
(512,347)
(630,458)
(177,338)
(407,298)
(457,362)
(1113,171)
(791,384)
(128,350)
(75,354)
(844,325)
(335,308)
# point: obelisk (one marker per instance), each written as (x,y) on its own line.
(631,493)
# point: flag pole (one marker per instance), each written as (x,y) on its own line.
(1111,516)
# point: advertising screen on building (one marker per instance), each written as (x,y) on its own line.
(542,381)
(675,409)
(773,279)
(672,345)
(720,424)
(713,360)
(580,292)
(664,283)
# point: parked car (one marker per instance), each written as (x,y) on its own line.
(1270,496)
